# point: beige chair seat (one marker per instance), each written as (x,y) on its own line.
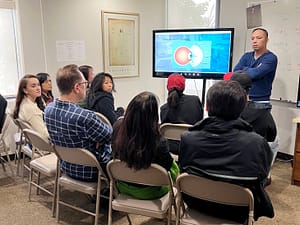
(193,217)
(157,208)
(45,164)
(82,186)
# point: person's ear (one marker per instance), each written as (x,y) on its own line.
(206,107)
(76,88)
(25,91)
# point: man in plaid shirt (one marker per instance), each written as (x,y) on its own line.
(69,125)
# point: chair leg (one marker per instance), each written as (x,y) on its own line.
(38,183)
(97,204)
(54,197)
(23,166)
(30,183)
(2,163)
(57,202)
(128,218)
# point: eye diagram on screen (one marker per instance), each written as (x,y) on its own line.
(198,53)
(194,55)
(184,55)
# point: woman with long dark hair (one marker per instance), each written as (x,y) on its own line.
(29,104)
(138,142)
(46,87)
(100,98)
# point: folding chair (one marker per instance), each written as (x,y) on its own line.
(21,145)
(155,175)
(81,157)
(45,165)
(173,131)
(103,118)
(4,149)
(213,191)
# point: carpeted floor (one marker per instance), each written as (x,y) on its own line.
(15,209)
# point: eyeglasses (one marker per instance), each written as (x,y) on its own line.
(84,82)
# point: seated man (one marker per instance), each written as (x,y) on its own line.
(260,118)
(69,125)
(225,146)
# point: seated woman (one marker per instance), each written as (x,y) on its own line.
(29,104)
(88,73)
(137,141)
(100,98)
(46,87)
(180,108)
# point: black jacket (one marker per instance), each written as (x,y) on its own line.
(261,120)
(189,110)
(232,149)
(103,102)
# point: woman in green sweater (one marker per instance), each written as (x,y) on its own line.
(138,142)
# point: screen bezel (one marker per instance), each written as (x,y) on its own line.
(200,75)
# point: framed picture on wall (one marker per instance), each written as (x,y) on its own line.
(120,37)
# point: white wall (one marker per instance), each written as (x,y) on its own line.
(81,20)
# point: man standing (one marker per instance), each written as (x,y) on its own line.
(226,147)
(69,125)
(261,65)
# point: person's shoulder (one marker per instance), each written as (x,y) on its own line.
(270,54)
(164,106)
(192,97)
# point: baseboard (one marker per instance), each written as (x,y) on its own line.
(284,156)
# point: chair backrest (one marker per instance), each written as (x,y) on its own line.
(78,156)
(173,131)
(22,124)
(3,134)
(155,175)
(215,191)
(103,118)
(37,140)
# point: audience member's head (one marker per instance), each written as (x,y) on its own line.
(29,86)
(88,72)
(138,134)
(243,78)
(226,100)
(103,82)
(175,86)
(46,86)
(71,81)
(176,81)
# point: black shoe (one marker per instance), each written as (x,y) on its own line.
(268,181)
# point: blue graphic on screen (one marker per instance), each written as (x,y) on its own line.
(193,52)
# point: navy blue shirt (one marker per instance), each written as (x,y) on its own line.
(262,71)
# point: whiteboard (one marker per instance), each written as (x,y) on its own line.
(282,20)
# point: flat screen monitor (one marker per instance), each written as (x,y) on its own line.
(194,53)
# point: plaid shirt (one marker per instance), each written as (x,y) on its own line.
(72,126)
